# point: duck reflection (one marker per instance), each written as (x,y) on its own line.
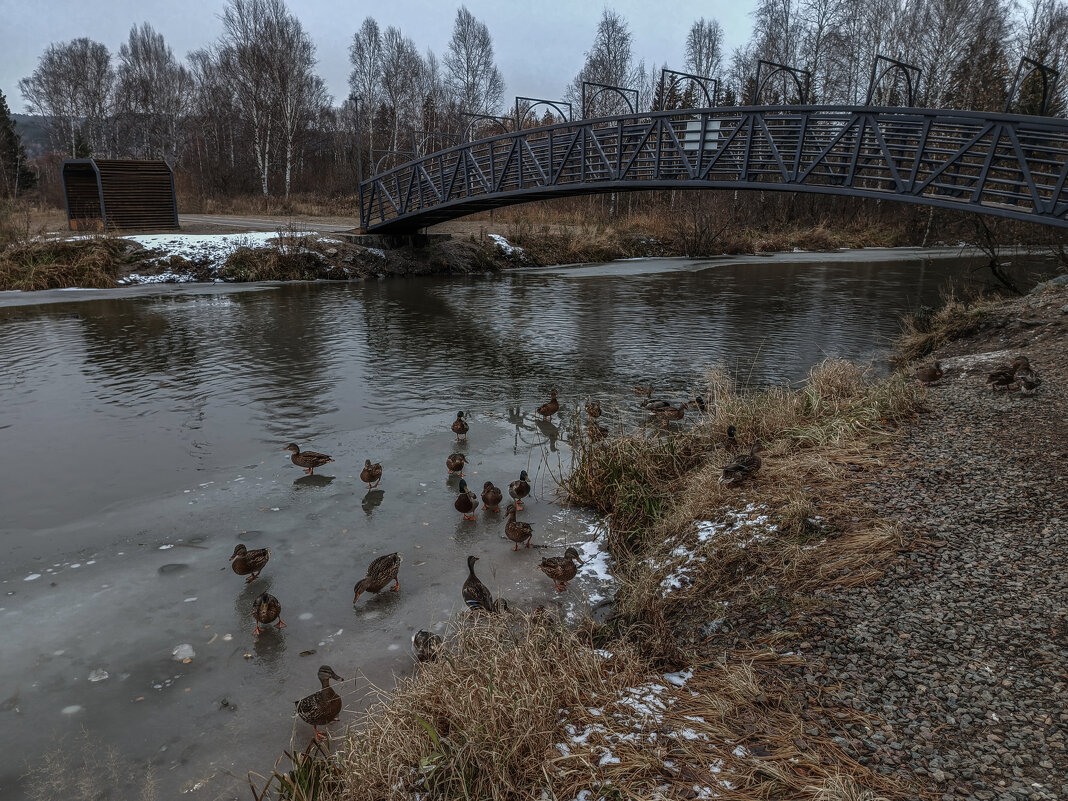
(313,481)
(372,500)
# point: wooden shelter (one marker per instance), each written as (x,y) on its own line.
(119,194)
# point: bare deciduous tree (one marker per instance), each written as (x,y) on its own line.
(400,72)
(470,70)
(704,48)
(610,62)
(365,80)
(152,93)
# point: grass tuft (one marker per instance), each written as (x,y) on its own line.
(92,263)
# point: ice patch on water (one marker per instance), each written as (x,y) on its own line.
(183,652)
(72,709)
(393,647)
(98,675)
(305,616)
(189,600)
(165,547)
(32,577)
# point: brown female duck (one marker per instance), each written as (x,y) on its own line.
(929,373)
(426,645)
(744,466)
(380,572)
(547,410)
(561,569)
(455,462)
(466,502)
(1004,375)
(515,530)
(476,594)
(1028,380)
(460,426)
(309,460)
(371,475)
(266,609)
(519,489)
(322,707)
(491,497)
(244,561)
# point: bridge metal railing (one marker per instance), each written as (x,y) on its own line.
(1008,165)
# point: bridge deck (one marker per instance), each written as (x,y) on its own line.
(1005,165)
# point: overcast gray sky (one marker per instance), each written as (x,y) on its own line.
(539,43)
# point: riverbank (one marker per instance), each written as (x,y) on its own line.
(876,614)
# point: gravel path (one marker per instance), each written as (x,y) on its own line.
(960,653)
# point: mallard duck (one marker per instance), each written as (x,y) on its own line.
(455,462)
(593,409)
(743,466)
(1004,375)
(309,460)
(929,373)
(547,410)
(244,561)
(379,573)
(731,443)
(371,475)
(466,502)
(561,569)
(516,531)
(491,496)
(322,707)
(266,609)
(595,431)
(426,645)
(520,489)
(1028,380)
(476,594)
(460,426)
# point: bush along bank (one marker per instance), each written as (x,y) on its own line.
(100,262)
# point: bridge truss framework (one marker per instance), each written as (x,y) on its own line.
(1006,165)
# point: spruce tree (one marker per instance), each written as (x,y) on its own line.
(15,175)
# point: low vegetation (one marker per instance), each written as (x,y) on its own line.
(91,263)
(926,330)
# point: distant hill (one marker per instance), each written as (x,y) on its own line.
(31,128)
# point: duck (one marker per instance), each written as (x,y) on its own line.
(1028,380)
(595,431)
(371,475)
(519,489)
(668,413)
(593,409)
(466,502)
(245,562)
(743,466)
(426,645)
(561,569)
(491,496)
(1004,375)
(309,460)
(929,373)
(731,441)
(380,572)
(476,594)
(547,410)
(322,707)
(455,462)
(460,426)
(266,609)
(516,531)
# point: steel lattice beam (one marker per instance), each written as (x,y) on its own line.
(1000,164)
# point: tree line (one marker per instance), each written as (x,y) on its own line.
(248,113)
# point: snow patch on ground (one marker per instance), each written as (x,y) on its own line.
(211,250)
(505,245)
(739,527)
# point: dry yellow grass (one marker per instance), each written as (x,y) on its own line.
(925,332)
(90,262)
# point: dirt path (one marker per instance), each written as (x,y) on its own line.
(960,655)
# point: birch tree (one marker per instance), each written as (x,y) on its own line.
(470,70)
(610,62)
(365,80)
(704,48)
(153,92)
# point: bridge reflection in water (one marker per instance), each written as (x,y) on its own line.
(1006,165)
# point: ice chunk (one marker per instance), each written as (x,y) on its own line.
(183,652)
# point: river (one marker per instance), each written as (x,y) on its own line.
(142,435)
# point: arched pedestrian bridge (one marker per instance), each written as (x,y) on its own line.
(1006,165)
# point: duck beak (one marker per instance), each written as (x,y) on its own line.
(232,558)
(336,677)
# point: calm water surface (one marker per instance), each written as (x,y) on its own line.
(142,435)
